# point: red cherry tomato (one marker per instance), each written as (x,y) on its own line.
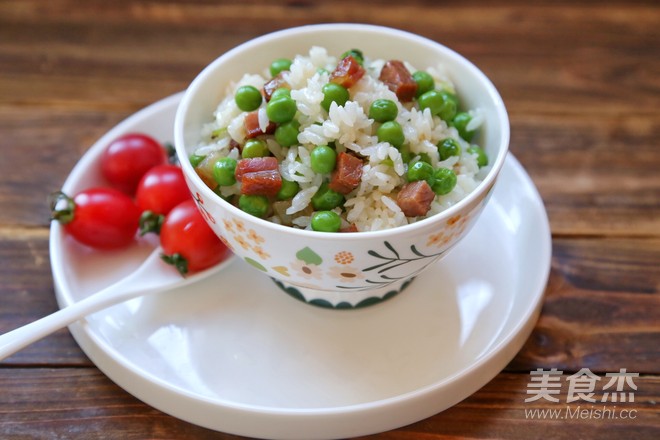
(187,240)
(128,158)
(102,218)
(161,189)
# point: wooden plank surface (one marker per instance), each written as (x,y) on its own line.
(581,81)
(602,307)
(82,403)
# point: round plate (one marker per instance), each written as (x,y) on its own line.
(235,354)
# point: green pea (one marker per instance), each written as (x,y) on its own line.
(223,171)
(431,100)
(482,158)
(288,189)
(420,171)
(334,93)
(441,104)
(447,148)
(248,98)
(279,65)
(195,159)
(424,157)
(425,82)
(326,199)
(406,154)
(444,181)
(355,53)
(255,205)
(323,159)
(215,134)
(391,132)
(281,110)
(282,92)
(460,121)
(383,110)
(452,97)
(229,198)
(287,134)
(255,148)
(326,221)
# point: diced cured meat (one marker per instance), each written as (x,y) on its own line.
(254,164)
(275,83)
(347,174)
(205,169)
(279,210)
(261,183)
(415,198)
(259,176)
(347,72)
(349,228)
(399,80)
(206,177)
(252,128)
(233,144)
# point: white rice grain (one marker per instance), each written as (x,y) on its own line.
(262,117)
(301,200)
(236,128)
(372,205)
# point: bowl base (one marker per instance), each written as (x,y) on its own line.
(343,300)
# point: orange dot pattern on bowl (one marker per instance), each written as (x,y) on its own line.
(379,265)
(344,257)
(455,227)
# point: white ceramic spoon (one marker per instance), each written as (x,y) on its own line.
(151,276)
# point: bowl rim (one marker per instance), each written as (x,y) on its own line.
(484,186)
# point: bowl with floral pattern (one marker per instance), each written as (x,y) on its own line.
(340,269)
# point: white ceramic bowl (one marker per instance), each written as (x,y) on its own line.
(352,269)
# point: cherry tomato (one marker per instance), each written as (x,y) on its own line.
(103,218)
(188,242)
(128,158)
(161,189)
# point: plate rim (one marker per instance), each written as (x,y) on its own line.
(154,390)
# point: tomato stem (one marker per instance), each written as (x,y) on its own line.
(61,207)
(171,153)
(178,261)
(151,222)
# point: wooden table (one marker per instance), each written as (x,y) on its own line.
(581,81)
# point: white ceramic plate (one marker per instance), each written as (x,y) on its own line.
(235,354)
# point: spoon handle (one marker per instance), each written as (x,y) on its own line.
(152,276)
(15,340)
(137,283)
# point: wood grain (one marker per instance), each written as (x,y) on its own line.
(33,166)
(594,191)
(82,403)
(27,295)
(602,307)
(499,410)
(591,107)
(581,82)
